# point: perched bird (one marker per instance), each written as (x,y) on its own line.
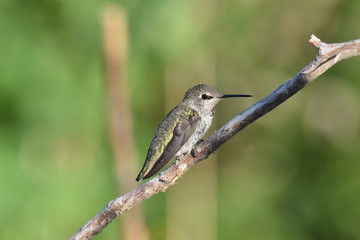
(182,128)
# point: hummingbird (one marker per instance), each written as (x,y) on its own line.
(182,128)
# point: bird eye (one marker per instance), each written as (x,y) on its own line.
(204,96)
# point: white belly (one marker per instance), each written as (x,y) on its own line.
(196,137)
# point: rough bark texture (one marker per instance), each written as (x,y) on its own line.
(328,55)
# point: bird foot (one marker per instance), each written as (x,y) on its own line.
(192,152)
(200,141)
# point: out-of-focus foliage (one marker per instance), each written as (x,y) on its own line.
(294,174)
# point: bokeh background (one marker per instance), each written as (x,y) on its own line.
(293,174)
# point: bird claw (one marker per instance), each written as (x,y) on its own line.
(200,141)
(192,152)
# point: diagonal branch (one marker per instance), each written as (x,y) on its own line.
(328,55)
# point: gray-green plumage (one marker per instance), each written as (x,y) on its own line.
(182,128)
(160,152)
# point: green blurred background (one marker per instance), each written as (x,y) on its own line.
(293,174)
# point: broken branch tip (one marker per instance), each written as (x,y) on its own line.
(315,41)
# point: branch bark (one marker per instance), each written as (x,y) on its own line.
(328,55)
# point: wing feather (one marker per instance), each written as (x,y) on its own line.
(181,133)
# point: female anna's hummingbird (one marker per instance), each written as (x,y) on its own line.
(182,128)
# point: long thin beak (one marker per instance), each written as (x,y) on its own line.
(235,95)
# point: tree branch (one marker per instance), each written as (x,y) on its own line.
(328,55)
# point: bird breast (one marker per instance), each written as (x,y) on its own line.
(203,127)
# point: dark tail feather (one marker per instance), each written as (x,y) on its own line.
(157,167)
(139,178)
